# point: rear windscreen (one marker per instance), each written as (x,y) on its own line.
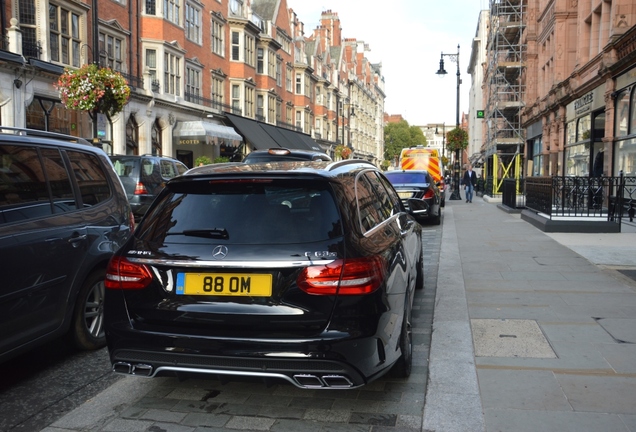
(407,177)
(271,212)
(124,167)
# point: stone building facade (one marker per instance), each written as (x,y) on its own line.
(579,87)
(208,77)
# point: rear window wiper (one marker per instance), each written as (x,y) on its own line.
(214,233)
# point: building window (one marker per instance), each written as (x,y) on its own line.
(155,137)
(217,90)
(259,60)
(30,45)
(236,98)
(249,102)
(151,63)
(299,83)
(289,73)
(151,7)
(110,51)
(193,23)
(279,72)
(271,63)
(64,35)
(271,110)
(171,11)
(236,46)
(249,50)
(193,82)
(172,74)
(218,45)
(260,107)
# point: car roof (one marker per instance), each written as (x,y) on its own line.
(288,153)
(322,168)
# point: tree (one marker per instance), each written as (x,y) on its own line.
(457,139)
(400,135)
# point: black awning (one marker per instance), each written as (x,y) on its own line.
(309,142)
(253,133)
(278,135)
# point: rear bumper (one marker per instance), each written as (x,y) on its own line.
(329,362)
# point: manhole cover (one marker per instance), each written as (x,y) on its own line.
(509,338)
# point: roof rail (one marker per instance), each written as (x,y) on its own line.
(44,134)
(342,162)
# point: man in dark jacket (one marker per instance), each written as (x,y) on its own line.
(469,181)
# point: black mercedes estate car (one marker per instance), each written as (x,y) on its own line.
(419,193)
(297,271)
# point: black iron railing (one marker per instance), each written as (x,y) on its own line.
(610,198)
(513,195)
(210,103)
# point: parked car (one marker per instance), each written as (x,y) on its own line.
(419,192)
(63,212)
(144,176)
(281,154)
(298,271)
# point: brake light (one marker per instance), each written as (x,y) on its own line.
(123,274)
(344,277)
(140,189)
(429,194)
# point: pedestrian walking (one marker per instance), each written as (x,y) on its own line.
(469,181)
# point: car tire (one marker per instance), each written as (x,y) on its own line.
(87,328)
(402,367)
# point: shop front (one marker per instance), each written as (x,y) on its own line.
(625,124)
(585,130)
(195,139)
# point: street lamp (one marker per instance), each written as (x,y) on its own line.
(442,72)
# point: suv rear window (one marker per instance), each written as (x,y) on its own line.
(273,212)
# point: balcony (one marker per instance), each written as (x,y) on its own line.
(200,100)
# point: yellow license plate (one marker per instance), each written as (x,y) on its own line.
(405,195)
(224,284)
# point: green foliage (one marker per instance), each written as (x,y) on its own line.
(202,160)
(385,165)
(457,139)
(221,159)
(400,135)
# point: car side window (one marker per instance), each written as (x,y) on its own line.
(61,189)
(23,190)
(367,204)
(393,196)
(167,169)
(181,168)
(91,178)
(384,204)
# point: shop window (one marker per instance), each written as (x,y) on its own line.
(622,114)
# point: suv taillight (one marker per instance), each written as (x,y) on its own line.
(429,194)
(344,277)
(140,189)
(123,274)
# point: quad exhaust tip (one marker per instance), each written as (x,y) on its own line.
(309,381)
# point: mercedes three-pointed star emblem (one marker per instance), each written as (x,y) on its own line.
(219,252)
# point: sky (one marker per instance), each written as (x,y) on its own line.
(407,37)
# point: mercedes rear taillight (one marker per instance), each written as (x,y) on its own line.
(354,276)
(123,274)
(140,189)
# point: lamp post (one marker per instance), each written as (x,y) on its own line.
(442,72)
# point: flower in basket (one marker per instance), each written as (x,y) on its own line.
(343,152)
(457,139)
(91,88)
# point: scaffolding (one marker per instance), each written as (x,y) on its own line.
(506,54)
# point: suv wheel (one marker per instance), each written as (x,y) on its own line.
(88,319)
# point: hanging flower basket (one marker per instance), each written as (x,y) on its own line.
(343,152)
(457,139)
(91,88)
